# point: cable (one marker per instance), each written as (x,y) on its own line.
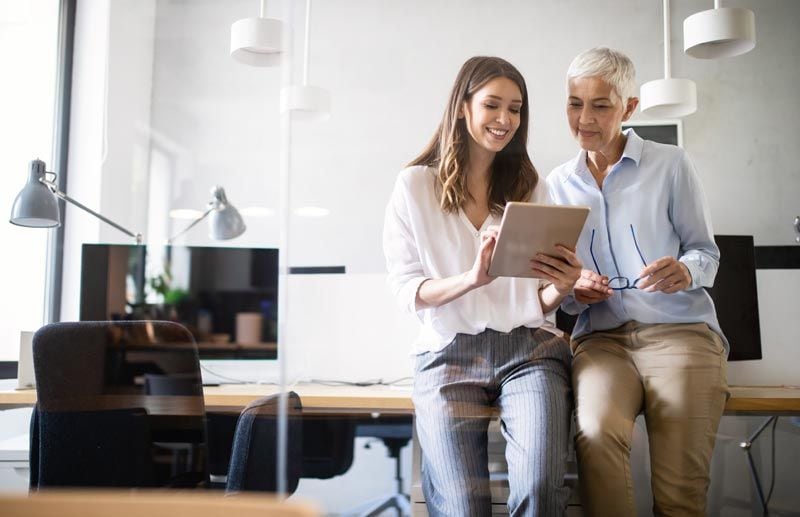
(223,377)
(364,383)
(324,382)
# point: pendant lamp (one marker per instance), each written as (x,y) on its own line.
(668,97)
(719,32)
(257,41)
(306,102)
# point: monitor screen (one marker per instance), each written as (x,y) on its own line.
(735,296)
(226,297)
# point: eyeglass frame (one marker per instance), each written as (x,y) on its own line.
(628,283)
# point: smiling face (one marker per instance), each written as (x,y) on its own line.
(596,112)
(492,115)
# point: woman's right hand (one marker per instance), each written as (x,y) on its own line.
(479,274)
(592,288)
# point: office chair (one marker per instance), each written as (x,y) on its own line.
(95,424)
(395,433)
(318,447)
(328,443)
(254,458)
(78,450)
(167,385)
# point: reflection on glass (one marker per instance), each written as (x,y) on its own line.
(119,404)
(226,297)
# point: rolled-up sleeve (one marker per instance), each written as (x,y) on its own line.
(692,221)
(400,248)
(572,306)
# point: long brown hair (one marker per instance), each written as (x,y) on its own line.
(513,176)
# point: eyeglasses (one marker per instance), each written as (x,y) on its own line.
(618,283)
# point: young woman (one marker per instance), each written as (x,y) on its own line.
(484,343)
(647,338)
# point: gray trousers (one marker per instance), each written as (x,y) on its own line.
(525,374)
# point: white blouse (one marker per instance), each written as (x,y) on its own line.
(421,241)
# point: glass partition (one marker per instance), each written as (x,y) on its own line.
(162,114)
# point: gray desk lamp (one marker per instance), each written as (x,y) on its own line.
(224,221)
(36,205)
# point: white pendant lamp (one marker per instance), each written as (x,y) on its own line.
(306,102)
(257,41)
(668,97)
(719,32)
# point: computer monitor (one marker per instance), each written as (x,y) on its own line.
(736,297)
(226,297)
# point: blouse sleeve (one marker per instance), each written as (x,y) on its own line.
(692,221)
(400,249)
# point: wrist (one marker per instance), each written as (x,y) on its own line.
(563,290)
(467,282)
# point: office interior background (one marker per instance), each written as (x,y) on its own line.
(160,113)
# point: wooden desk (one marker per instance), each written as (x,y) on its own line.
(317,398)
(75,502)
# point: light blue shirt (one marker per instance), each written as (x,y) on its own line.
(651,206)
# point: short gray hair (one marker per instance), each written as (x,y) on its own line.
(612,66)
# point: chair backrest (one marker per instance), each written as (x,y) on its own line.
(328,443)
(119,456)
(107,391)
(254,459)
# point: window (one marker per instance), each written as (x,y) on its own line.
(29,53)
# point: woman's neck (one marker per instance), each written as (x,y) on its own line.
(479,166)
(600,161)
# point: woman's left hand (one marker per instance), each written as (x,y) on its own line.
(667,274)
(562,271)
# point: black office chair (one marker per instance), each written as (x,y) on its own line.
(184,454)
(328,443)
(319,447)
(80,449)
(95,423)
(254,458)
(395,432)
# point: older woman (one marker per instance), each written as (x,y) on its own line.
(647,339)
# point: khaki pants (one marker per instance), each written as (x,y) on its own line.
(676,375)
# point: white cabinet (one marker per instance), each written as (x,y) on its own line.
(14,445)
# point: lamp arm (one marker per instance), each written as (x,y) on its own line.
(797,228)
(192,225)
(61,195)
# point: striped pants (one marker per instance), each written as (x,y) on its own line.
(525,374)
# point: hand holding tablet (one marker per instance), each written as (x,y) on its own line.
(529,229)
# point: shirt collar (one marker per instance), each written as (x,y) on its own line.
(632,151)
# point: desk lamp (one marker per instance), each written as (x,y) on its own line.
(224,223)
(36,205)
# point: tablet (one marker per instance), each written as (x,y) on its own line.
(529,228)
